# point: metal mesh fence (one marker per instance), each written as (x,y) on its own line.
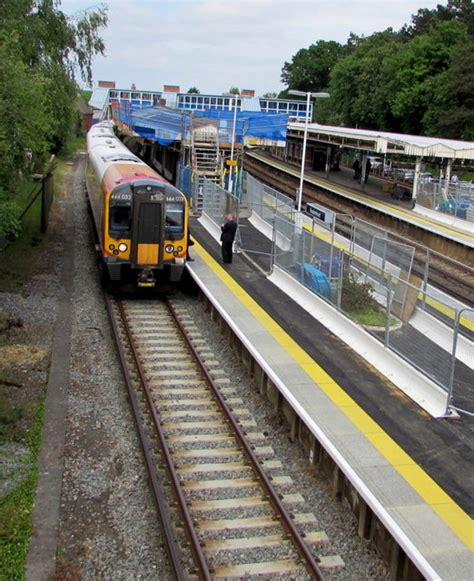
(456,200)
(376,254)
(266,201)
(310,259)
(217,202)
(370,279)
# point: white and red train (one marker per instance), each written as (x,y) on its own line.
(142,219)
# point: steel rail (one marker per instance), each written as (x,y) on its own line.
(309,561)
(172,547)
(196,548)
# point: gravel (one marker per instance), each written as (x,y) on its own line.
(14,464)
(108,527)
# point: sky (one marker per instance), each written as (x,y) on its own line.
(217,44)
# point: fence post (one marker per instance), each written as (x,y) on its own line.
(369,262)
(341,276)
(384,256)
(449,399)
(273,252)
(425,277)
(388,310)
(331,250)
(47,196)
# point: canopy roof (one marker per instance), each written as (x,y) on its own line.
(383,142)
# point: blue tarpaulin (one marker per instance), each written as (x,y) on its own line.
(165,125)
(156,123)
(249,123)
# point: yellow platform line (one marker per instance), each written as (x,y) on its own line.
(361,197)
(449,512)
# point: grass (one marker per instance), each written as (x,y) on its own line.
(16,256)
(16,508)
(75,143)
(372,317)
(10,416)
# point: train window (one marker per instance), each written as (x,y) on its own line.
(120,214)
(174,217)
(120,217)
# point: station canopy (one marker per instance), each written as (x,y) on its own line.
(166,125)
(386,143)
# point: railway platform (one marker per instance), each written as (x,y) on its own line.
(341,184)
(426,346)
(411,472)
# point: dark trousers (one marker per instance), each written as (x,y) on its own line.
(227,252)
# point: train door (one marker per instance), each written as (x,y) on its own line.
(147,231)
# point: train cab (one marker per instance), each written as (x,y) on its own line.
(141,218)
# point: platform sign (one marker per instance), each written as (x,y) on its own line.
(320,212)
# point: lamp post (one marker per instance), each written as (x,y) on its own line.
(308,95)
(231,181)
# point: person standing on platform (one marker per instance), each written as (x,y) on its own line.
(368,168)
(357,169)
(227,238)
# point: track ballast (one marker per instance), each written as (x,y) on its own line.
(226,507)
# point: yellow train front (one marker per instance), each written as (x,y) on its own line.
(141,219)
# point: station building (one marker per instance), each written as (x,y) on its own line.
(171,96)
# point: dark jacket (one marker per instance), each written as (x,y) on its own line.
(228,231)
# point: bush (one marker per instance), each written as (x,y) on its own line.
(10,226)
(357,296)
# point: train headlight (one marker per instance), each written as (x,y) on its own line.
(175,253)
(169,248)
(111,247)
(180,249)
(123,247)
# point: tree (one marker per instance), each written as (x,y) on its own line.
(54,47)
(415,74)
(193,90)
(41,52)
(310,68)
(452,112)
(424,19)
(24,121)
(358,81)
(270,95)
(234,91)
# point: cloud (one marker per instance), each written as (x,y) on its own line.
(214,44)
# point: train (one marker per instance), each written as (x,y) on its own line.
(141,219)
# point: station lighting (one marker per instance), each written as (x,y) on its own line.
(231,181)
(308,95)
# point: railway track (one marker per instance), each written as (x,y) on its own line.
(225,505)
(450,276)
